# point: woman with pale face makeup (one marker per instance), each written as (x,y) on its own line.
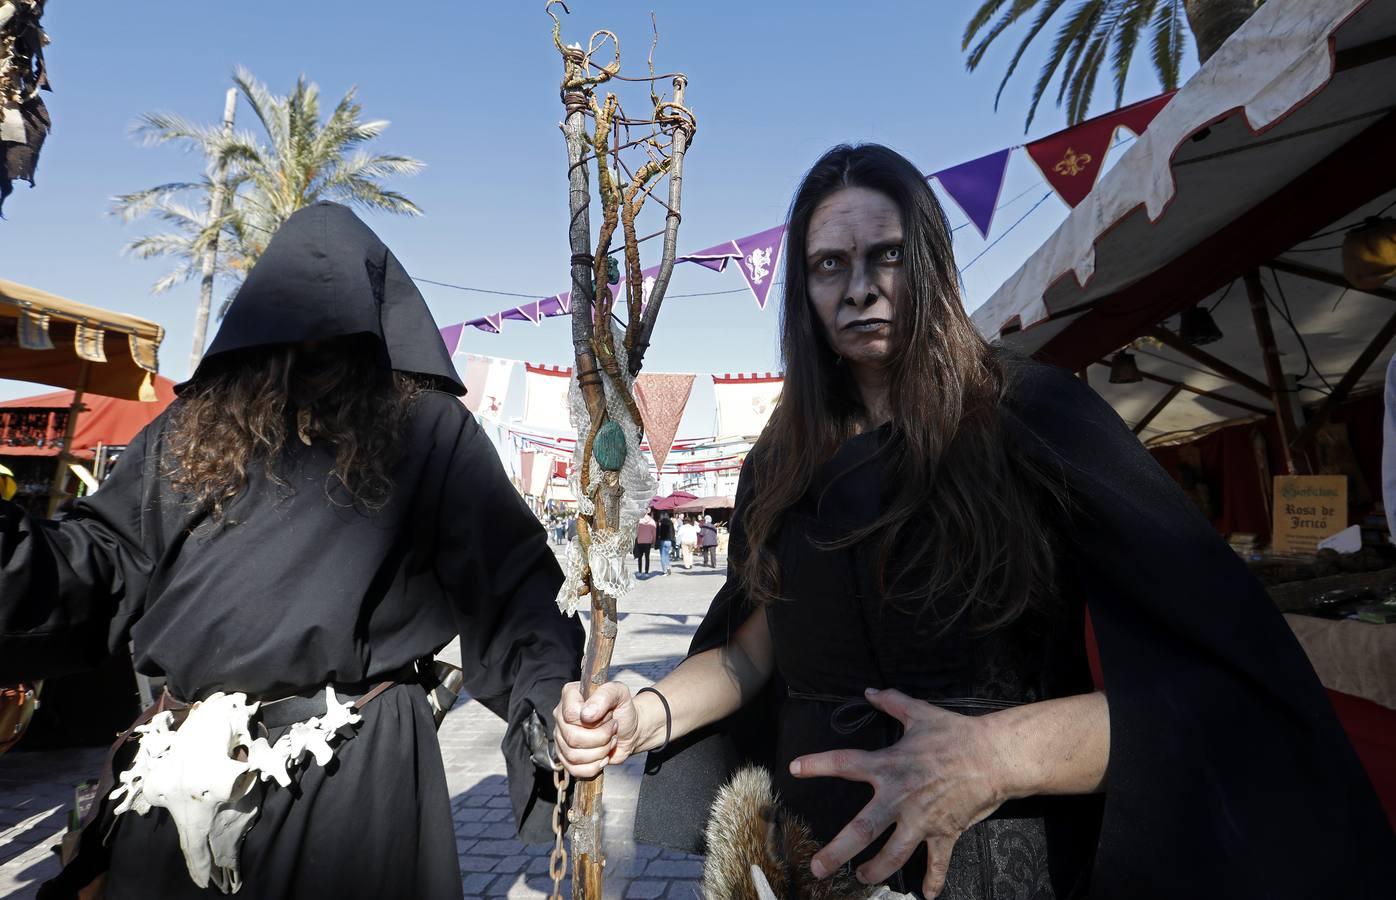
(901,638)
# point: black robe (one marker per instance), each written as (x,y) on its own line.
(298,589)
(1229,775)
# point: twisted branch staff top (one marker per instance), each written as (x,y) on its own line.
(598,366)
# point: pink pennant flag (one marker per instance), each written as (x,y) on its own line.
(758,256)
(662,399)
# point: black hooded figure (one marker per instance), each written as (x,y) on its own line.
(293,590)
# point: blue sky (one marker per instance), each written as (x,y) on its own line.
(471,89)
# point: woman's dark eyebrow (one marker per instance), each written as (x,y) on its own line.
(816,255)
(884,245)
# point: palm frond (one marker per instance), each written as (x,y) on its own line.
(1011,15)
(981,17)
(1074,30)
(265,105)
(134,205)
(1133,20)
(1170,23)
(164,128)
(1048,9)
(1080,49)
(178,276)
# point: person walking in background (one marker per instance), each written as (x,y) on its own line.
(664,533)
(644,540)
(707,542)
(688,541)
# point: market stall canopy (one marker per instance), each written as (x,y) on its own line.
(703,504)
(104,420)
(1276,147)
(48,339)
(664,504)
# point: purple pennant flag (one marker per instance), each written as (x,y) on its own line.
(758,256)
(715,258)
(516,315)
(488,323)
(551,307)
(451,336)
(975,186)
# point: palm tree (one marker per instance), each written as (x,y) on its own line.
(297,160)
(1096,29)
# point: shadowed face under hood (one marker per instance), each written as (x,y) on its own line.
(324,275)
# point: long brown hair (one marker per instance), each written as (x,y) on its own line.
(971,512)
(247,407)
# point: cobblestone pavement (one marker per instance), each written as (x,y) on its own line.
(657,621)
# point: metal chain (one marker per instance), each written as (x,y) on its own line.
(557,861)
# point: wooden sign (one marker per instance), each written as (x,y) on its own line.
(1308,508)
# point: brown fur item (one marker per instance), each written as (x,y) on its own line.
(747,828)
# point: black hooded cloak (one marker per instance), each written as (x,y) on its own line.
(299,589)
(1229,774)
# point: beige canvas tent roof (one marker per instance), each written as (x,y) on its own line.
(51,340)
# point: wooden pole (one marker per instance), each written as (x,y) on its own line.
(1224,369)
(1344,387)
(1279,391)
(585,816)
(216,204)
(56,494)
(1157,408)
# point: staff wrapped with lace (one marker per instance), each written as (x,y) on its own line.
(610,478)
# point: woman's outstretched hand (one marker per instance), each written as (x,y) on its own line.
(594,733)
(943,776)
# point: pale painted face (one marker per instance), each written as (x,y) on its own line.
(855,275)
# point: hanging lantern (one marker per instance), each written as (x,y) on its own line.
(1198,327)
(1369,254)
(1123,369)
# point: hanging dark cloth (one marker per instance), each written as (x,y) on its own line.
(298,588)
(1229,774)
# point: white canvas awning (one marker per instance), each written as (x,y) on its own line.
(1283,139)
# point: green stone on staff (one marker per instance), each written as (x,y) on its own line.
(610,447)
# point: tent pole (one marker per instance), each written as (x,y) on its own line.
(56,494)
(1225,370)
(1284,415)
(1323,276)
(1152,414)
(1344,387)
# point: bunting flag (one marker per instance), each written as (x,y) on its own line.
(535,471)
(450,336)
(33,331)
(758,255)
(486,380)
(90,342)
(545,397)
(745,402)
(715,258)
(1070,160)
(662,400)
(975,187)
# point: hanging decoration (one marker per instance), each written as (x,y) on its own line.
(545,397)
(662,400)
(745,402)
(1071,160)
(975,187)
(24,120)
(487,380)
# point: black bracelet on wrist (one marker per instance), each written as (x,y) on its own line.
(668,717)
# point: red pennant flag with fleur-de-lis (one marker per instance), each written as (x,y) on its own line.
(1070,160)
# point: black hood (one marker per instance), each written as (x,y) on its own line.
(325,274)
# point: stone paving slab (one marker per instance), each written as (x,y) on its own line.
(657,622)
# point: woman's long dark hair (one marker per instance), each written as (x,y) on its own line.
(248,407)
(966,515)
